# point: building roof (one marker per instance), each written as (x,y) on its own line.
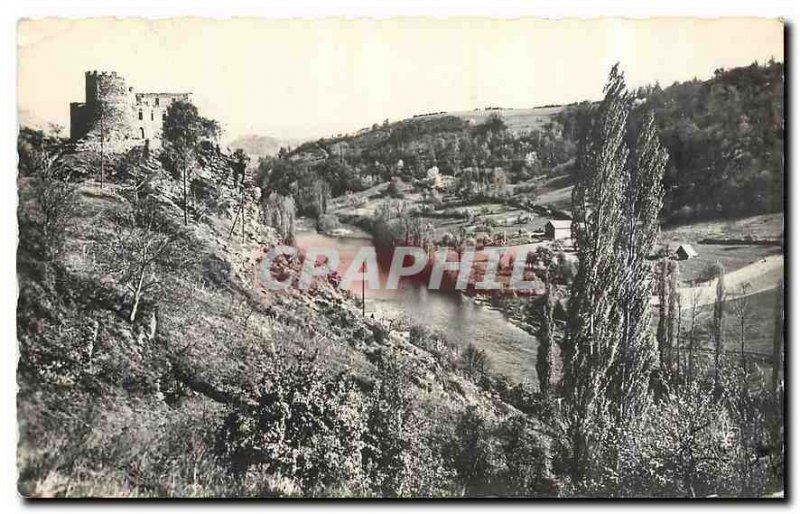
(688,249)
(560,223)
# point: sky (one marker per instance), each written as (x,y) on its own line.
(311,78)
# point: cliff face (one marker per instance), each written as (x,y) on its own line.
(103,392)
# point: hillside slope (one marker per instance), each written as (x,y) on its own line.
(259,146)
(159,404)
(724,136)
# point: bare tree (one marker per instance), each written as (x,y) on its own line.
(717,323)
(742,308)
(239,165)
(777,339)
(141,250)
(694,315)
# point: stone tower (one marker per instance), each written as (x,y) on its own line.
(124,117)
(107,109)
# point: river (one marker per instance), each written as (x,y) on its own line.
(512,350)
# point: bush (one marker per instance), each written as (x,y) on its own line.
(327,222)
(393,191)
(525,455)
(475,362)
(684,446)
(402,454)
(47,203)
(299,424)
(472,454)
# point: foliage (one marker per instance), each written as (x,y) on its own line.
(400,456)
(475,361)
(546,337)
(472,452)
(392,191)
(683,446)
(303,425)
(525,459)
(146,244)
(279,213)
(48,200)
(186,135)
(608,352)
(725,140)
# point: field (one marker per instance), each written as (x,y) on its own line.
(756,264)
(768,226)
(758,267)
(516,225)
(731,257)
(517,120)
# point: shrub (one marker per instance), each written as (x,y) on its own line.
(299,424)
(327,222)
(684,445)
(475,362)
(525,456)
(47,202)
(393,191)
(472,453)
(401,454)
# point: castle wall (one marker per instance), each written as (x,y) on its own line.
(79,120)
(151,112)
(124,117)
(109,103)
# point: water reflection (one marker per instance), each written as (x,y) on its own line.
(511,349)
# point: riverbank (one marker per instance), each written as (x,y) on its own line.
(461,318)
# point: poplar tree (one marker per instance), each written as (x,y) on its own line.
(667,313)
(616,201)
(644,199)
(545,336)
(663,303)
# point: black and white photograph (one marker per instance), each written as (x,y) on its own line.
(400,258)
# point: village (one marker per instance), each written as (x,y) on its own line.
(520,229)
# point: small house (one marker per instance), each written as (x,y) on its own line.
(685,252)
(558,229)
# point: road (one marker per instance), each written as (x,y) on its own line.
(760,276)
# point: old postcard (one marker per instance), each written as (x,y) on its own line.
(401,258)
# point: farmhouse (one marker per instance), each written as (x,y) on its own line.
(558,229)
(685,252)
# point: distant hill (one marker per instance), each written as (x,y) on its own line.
(724,136)
(258,146)
(516,120)
(32,121)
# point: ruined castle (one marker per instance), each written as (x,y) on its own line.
(126,117)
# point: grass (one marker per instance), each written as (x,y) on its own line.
(732,257)
(517,120)
(105,409)
(767,226)
(760,328)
